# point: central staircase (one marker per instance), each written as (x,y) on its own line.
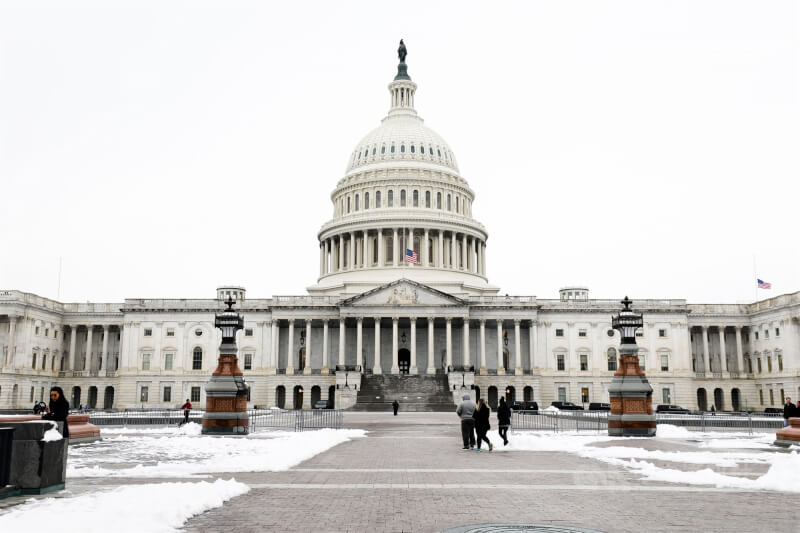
(414,393)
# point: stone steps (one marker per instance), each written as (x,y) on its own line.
(417,393)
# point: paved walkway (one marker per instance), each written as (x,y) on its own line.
(410,474)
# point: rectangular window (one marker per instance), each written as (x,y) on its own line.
(777,332)
(759,365)
(168,361)
(766,334)
(37,332)
(148,332)
(390,198)
(415,198)
(47,332)
(782,397)
(584,394)
(562,394)
(665,396)
(402,197)
(756,334)
(170,332)
(664,362)
(771,397)
(581,333)
(560,361)
(449,205)
(248,332)
(662,333)
(195,396)
(640,332)
(146,361)
(167,394)
(144,394)
(377,198)
(761,396)
(55,334)
(559,332)
(584,362)
(780,362)
(427,198)
(438,200)
(769,364)
(248,361)
(32,392)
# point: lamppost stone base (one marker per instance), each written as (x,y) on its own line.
(789,435)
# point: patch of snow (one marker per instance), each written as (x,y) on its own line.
(162,507)
(551,409)
(52,434)
(179,455)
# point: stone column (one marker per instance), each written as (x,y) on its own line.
(501,371)
(413,369)
(325,369)
(328,259)
(483,369)
(427,250)
(104,356)
(395,365)
(381,251)
(466,342)
(290,349)
(307,368)
(479,252)
(723,359)
(341,341)
(351,261)
(440,249)
(121,344)
(340,249)
(367,249)
(359,345)
(483,257)
(449,344)
(394,247)
(87,362)
(431,367)
(465,265)
(739,354)
(517,351)
(273,356)
(376,365)
(453,258)
(532,340)
(706,358)
(321,255)
(12,342)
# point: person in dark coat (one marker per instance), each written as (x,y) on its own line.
(789,411)
(503,420)
(187,408)
(395,407)
(482,426)
(58,410)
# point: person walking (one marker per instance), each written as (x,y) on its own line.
(789,411)
(58,410)
(395,407)
(465,411)
(187,408)
(503,420)
(482,426)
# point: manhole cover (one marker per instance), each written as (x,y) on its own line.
(510,528)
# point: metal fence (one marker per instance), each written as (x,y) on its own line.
(597,421)
(293,420)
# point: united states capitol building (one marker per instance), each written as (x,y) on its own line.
(403,299)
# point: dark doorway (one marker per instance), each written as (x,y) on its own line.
(719,400)
(477,393)
(403,360)
(492,397)
(92,397)
(511,394)
(736,400)
(702,401)
(108,400)
(76,397)
(280,397)
(316,394)
(527,394)
(298,397)
(332,397)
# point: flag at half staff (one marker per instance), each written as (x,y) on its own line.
(763,284)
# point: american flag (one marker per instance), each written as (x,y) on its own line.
(411,256)
(764,285)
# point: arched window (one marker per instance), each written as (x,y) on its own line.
(357,202)
(422,149)
(373,150)
(33,363)
(366,200)
(392,148)
(377,198)
(427,198)
(439,152)
(390,199)
(415,198)
(402,198)
(412,148)
(612,360)
(359,155)
(438,200)
(383,150)
(449,205)
(402,148)
(348,204)
(366,153)
(197,359)
(457,204)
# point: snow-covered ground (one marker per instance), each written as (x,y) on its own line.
(715,451)
(158,453)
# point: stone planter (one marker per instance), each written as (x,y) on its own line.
(789,435)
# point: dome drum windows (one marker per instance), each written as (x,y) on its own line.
(390,198)
(357,202)
(427,198)
(412,148)
(383,149)
(438,200)
(402,198)
(415,198)
(366,200)
(377,199)
(402,148)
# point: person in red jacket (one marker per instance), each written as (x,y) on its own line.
(187,408)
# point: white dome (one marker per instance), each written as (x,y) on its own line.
(402,138)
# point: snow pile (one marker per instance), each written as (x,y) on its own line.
(162,507)
(192,428)
(179,455)
(668,431)
(551,409)
(52,434)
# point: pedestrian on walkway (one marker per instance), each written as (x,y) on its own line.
(187,408)
(503,420)
(465,411)
(789,411)
(482,426)
(58,410)
(395,407)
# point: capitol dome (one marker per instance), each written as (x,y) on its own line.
(402,210)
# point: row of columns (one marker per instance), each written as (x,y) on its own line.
(395,368)
(89,335)
(723,349)
(357,246)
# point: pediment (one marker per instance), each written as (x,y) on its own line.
(403,292)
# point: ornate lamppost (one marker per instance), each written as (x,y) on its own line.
(630,393)
(226,391)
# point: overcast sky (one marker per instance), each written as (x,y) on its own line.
(162,149)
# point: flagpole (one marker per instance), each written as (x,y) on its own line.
(755,277)
(58,293)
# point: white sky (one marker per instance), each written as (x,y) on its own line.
(641,148)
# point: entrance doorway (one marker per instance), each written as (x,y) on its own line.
(702,403)
(404,360)
(92,397)
(108,401)
(492,397)
(76,397)
(280,396)
(332,397)
(735,400)
(298,397)
(316,394)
